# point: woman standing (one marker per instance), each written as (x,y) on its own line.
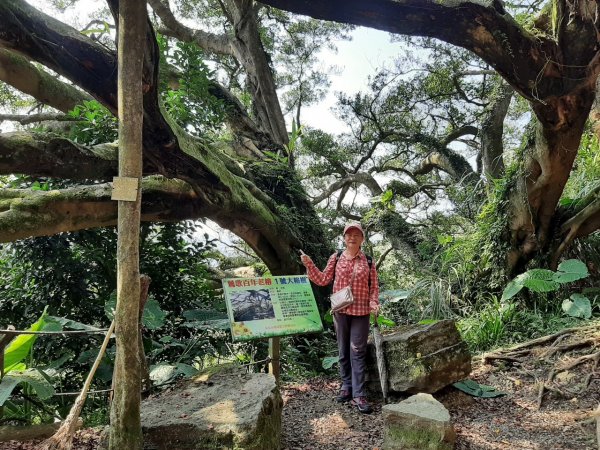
(351,323)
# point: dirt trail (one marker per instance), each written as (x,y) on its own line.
(566,365)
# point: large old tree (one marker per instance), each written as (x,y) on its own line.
(186,176)
(552,62)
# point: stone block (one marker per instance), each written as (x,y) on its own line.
(421,358)
(418,423)
(229,409)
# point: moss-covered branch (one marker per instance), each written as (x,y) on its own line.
(54,156)
(18,72)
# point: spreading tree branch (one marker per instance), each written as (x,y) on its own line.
(363,178)
(220,44)
(47,155)
(486,29)
(18,72)
(26,119)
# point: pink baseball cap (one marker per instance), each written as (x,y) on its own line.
(356,225)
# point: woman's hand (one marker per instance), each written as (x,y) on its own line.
(374,307)
(304,258)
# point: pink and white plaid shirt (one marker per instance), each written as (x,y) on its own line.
(363,299)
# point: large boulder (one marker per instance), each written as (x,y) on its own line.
(229,409)
(420,422)
(421,358)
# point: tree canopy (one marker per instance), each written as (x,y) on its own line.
(403,143)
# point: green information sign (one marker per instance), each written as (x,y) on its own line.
(270,306)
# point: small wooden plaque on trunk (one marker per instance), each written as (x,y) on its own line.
(125,188)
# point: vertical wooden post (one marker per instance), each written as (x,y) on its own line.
(274,367)
(126,430)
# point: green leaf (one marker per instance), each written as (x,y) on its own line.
(538,280)
(20,347)
(71,324)
(565,201)
(540,274)
(57,363)
(382,320)
(153,317)
(7,385)
(329,361)
(578,306)
(164,372)
(537,285)
(387,196)
(444,239)
(478,390)
(511,289)
(33,377)
(571,270)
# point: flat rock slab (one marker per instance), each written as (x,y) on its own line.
(229,409)
(417,423)
(421,358)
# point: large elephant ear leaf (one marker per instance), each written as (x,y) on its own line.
(578,306)
(32,377)
(571,270)
(153,317)
(20,347)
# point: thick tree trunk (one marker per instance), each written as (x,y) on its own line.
(546,167)
(254,58)
(126,429)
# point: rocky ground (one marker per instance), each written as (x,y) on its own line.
(559,416)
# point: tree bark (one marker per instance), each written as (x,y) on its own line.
(17,71)
(492,129)
(126,429)
(146,383)
(48,155)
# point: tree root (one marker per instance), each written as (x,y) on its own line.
(546,386)
(516,352)
(568,340)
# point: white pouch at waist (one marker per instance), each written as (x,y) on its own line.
(341,299)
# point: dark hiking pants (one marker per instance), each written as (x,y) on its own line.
(352,333)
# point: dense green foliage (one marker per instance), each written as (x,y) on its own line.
(73,276)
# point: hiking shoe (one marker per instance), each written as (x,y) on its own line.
(362,405)
(343,396)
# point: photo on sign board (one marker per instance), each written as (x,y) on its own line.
(251,305)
